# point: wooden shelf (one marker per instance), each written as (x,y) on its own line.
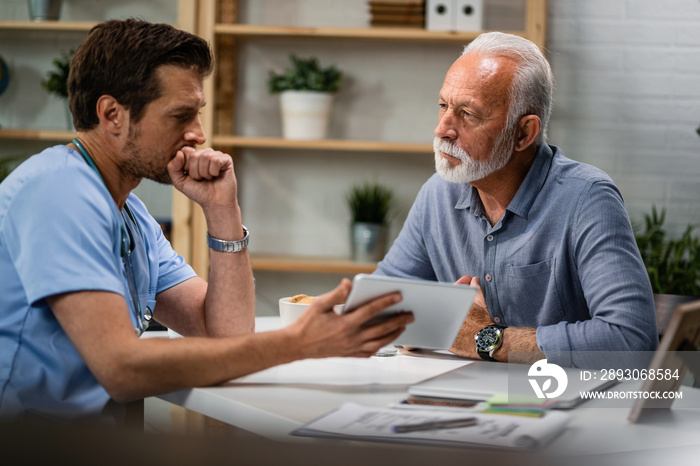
(37,134)
(55,26)
(47,26)
(372,34)
(239,141)
(310,264)
(218,23)
(321,144)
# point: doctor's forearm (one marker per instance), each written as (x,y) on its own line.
(230,300)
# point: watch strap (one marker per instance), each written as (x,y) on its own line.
(222,245)
(486,356)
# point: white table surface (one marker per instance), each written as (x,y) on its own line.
(274,403)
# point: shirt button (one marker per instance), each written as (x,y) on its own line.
(497,320)
(488,277)
(489,238)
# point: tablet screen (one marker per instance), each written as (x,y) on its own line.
(439,308)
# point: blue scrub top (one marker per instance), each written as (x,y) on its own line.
(60,231)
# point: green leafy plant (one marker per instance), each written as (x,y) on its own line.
(56,81)
(305,75)
(370,203)
(673,265)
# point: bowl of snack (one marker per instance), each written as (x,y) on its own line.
(292,307)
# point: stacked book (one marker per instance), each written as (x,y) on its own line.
(397,13)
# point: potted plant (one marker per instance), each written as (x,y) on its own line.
(369,205)
(56,81)
(673,265)
(306,95)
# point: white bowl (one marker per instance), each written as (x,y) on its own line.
(289,312)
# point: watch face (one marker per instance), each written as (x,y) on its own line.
(487,339)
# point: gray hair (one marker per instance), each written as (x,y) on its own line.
(533,84)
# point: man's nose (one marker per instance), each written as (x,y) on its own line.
(196,133)
(445,127)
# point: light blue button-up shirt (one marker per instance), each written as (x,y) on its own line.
(562,259)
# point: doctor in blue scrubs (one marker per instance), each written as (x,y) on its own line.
(84,268)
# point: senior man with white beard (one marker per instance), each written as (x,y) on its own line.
(546,238)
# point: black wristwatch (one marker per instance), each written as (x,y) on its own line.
(488,339)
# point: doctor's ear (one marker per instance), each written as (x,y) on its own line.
(110,113)
(528,128)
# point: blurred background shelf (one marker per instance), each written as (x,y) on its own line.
(248,142)
(37,134)
(47,26)
(321,144)
(373,34)
(309,264)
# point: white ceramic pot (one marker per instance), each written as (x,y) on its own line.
(305,114)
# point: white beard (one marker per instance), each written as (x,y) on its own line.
(469,169)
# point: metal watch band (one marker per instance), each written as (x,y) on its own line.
(229,246)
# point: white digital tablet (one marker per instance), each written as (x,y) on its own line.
(439,308)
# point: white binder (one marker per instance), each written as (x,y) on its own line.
(439,15)
(468,15)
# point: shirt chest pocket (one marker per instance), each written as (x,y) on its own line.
(531,295)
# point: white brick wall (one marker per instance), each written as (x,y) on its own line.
(628,98)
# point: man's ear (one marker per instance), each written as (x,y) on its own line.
(528,129)
(112,115)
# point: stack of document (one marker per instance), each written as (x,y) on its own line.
(353,421)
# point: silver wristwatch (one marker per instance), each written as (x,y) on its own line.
(229,246)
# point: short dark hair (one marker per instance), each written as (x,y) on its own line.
(119,58)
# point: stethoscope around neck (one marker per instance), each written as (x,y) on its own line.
(143,319)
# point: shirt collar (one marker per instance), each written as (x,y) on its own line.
(533,182)
(527,193)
